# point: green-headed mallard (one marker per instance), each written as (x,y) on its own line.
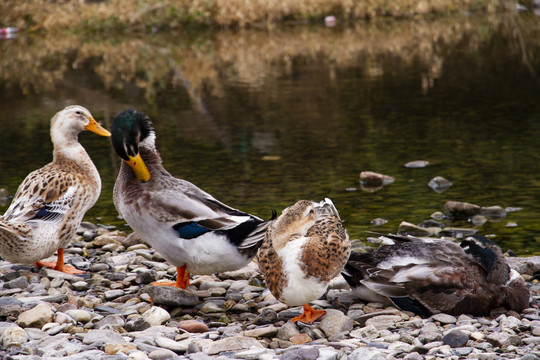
(187,226)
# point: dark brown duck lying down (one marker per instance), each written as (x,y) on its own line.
(429,276)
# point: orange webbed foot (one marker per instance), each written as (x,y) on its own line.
(182,279)
(59,265)
(309,315)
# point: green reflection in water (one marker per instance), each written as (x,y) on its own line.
(261,132)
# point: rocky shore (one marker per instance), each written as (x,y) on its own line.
(112,312)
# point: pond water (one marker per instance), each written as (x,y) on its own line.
(261,119)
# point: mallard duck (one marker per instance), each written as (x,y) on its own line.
(50,203)
(187,226)
(303,249)
(432,276)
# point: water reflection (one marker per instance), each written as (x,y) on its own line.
(261,119)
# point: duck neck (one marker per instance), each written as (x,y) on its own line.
(68,151)
(152,159)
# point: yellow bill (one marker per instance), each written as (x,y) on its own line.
(139,168)
(94,127)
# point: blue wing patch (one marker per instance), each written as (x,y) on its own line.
(190,230)
(47,214)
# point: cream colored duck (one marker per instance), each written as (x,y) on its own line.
(305,248)
(187,226)
(50,203)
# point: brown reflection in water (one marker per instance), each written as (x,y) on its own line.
(202,63)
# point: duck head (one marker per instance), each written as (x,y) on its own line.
(130,128)
(489,255)
(69,122)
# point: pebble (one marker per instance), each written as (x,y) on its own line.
(193,326)
(152,317)
(112,313)
(455,339)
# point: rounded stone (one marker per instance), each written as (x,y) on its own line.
(82,316)
(193,326)
(455,339)
(14,336)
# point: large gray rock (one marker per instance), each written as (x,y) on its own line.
(171,296)
(265,331)
(444,318)
(37,316)
(368,353)
(14,336)
(287,331)
(335,322)
(310,353)
(503,339)
(103,337)
(525,265)
(234,343)
(384,322)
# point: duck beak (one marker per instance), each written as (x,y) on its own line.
(94,127)
(139,168)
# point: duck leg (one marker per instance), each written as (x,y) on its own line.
(59,264)
(309,315)
(182,279)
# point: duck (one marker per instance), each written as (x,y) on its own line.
(50,203)
(427,276)
(192,230)
(303,249)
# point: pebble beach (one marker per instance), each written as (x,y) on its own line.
(112,312)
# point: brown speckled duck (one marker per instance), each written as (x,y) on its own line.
(429,276)
(303,249)
(50,203)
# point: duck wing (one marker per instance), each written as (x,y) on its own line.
(192,212)
(44,197)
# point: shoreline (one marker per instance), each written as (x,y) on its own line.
(112,312)
(125,15)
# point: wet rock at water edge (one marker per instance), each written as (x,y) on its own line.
(406,228)
(371,181)
(378,221)
(459,210)
(417,164)
(439,184)
(493,211)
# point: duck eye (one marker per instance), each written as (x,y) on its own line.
(78,112)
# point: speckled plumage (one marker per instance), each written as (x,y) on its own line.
(51,202)
(303,250)
(187,226)
(428,277)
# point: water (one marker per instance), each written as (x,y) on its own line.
(263,119)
